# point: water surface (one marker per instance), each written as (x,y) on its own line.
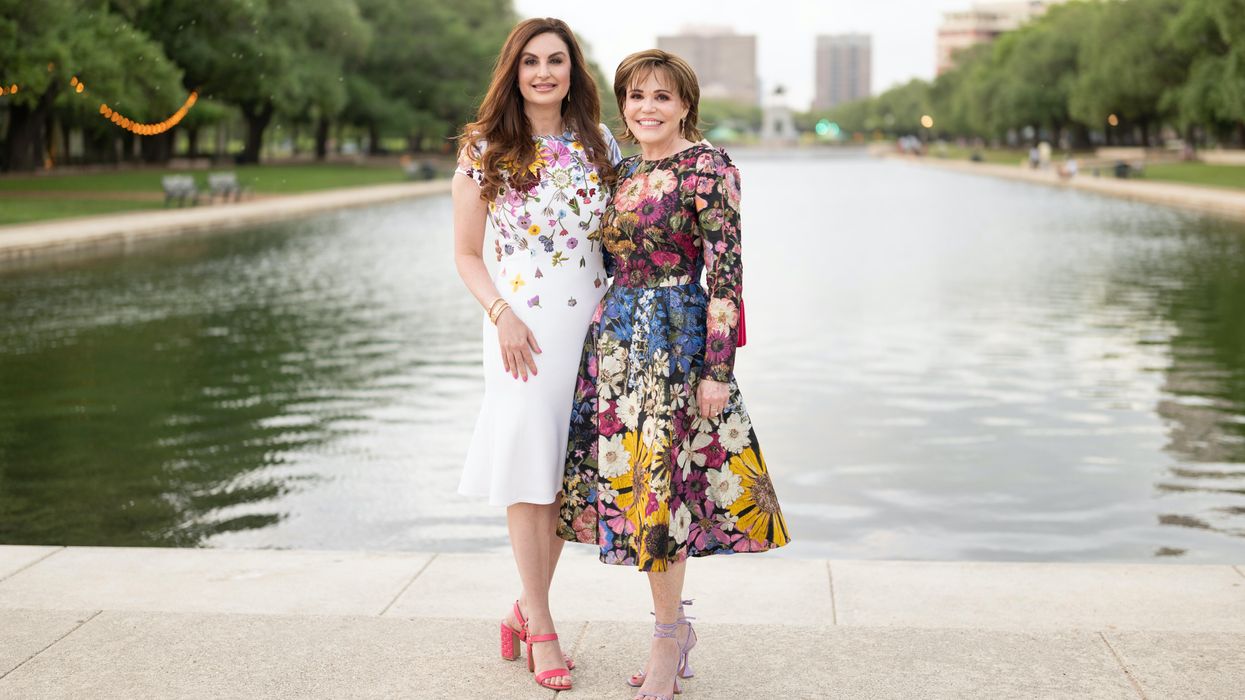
(939,366)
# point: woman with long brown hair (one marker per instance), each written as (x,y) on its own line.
(538,165)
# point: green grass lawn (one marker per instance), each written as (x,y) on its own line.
(1001,156)
(1198,174)
(21,211)
(261,179)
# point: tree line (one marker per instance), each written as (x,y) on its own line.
(407,68)
(1088,71)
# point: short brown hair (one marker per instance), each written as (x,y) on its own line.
(640,65)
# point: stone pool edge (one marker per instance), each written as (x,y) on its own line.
(1213,201)
(115,621)
(33,240)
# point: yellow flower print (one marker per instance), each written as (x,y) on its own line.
(577,145)
(594,178)
(757,508)
(516,283)
(533,230)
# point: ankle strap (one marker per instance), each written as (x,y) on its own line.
(664,630)
(537,638)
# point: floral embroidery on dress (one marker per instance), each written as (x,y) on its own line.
(647,480)
(562,208)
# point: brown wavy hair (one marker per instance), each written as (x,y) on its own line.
(638,66)
(504,127)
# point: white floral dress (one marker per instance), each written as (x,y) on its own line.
(550,270)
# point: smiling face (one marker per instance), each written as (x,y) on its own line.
(653,109)
(545,70)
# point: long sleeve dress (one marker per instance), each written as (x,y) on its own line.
(550,270)
(647,480)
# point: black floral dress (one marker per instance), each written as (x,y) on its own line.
(647,480)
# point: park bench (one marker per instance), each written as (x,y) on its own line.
(225,185)
(180,188)
(420,170)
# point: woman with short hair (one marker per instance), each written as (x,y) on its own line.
(663,463)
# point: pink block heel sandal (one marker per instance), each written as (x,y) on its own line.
(510,644)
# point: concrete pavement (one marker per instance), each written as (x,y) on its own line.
(62,235)
(121,622)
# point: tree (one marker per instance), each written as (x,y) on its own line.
(1129,65)
(1037,68)
(44,45)
(1213,33)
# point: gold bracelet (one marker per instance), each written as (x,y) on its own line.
(492,308)
(495,315)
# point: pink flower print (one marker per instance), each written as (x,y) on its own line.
(571,243)
(731,187)
(714,455)
(689,184)
(556,153)
(652,504)
(664,258)
(534,302)
(524,221)
(630,193)
(717,348)
(608,423)
(539,274)
(585,525)
(704,161)
(650,212)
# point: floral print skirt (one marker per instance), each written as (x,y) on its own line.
(647,480)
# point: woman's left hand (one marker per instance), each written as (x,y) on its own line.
(711,397)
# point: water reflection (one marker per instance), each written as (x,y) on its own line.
(940,366)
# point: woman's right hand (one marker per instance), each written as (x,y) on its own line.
(517,345)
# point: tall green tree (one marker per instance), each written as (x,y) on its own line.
(1037,67)
(44,45)
(1213,92)
(1129,65)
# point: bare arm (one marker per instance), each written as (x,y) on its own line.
(470,212)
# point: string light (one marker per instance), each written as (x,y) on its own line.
(148,129)
(120,119)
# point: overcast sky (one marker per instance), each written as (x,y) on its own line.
(903,32)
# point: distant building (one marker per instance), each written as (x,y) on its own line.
(843,69)
(725,62)
(982,24)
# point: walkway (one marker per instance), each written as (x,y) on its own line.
(1227,203)
(161,623)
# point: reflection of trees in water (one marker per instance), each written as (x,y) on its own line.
(1198,286)
(144,429)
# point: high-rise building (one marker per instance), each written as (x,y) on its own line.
(725,62)
(982,24)
(843,69)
